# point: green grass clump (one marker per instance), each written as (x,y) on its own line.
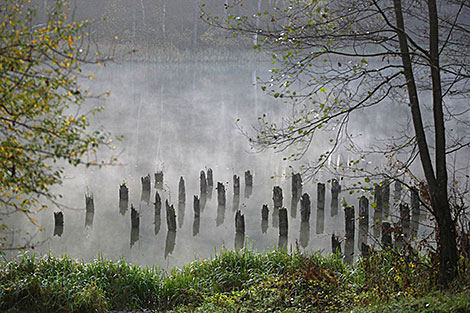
(234,281)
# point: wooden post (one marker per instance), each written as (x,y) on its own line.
(386,198)
(203,183)
(170,217)
(296,185)
(135,219)
(157,220)
(123,198)
(239,230)
(335,245)
(386,235)
(210,178)
(335,190)
(378,210)
(277,197)
(181,191)
(220,219)
(349,222)
(320,225)
(305,208)
(397,193)
(283,223)
(158,180)
(236,185)
(145,183)
(415,213)
(123,192)
(220,194)
(264,218)
(248,179)
(58,223)
(170,242)
(363,221)
(158,203)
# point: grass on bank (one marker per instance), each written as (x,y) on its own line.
(233,281)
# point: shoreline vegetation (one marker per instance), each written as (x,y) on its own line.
(234,281)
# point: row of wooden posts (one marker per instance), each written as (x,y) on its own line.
(279,215)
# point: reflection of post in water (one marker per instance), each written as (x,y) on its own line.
(320,208)
(304,233)
(294,202)
(123,198)
(239,230)
(181,209)
(181,191)
(58,223)
(145,188)
(378,209)
(90,210)
(170,216)
(135,222)
(277,199)
(236,202)
(349,229)
(248,184)
(305,208)
(220,215)
(170,242)
(220,193)
(335,190)
(363,221)
(158,180)
(197,216)
(415,213)
(283,229)
(264,218)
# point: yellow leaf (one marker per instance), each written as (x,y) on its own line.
(91,76)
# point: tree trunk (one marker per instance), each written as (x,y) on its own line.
(446,239)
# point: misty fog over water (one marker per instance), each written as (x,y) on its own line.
(181,119)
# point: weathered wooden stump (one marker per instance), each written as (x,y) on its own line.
(135,219)
(123,198)
(397,192)
(236,185)
(335,245)
(386,235)
(264,218)
(145,183)
(415,213)
(405,217)
(134,235)
(335,191)
(378,210)
(235,203)
(210,178)
(282,243)
(277,197)
(305,208)
(294,203)
(58,223)
(349,250)
(170,216)
(220,219)
(157,221)
(349,222)
(248,179)
(221,194)
(202,183)
(196,224)
(158,180)
(386,198)
(123,192)
(283,223)
(296,185)
(181,191)
(363,221)
(239,230)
